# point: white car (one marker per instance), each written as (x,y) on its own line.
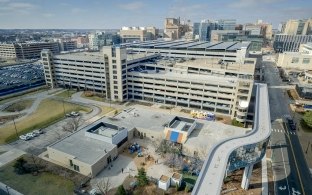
(74,113)
(31,135)
(25,137)
(39,131)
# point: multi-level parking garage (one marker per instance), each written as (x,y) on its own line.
(210,84)
(237,152)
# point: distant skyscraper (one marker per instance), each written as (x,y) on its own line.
(196,26)
(204,31)
(226,24)
(298,27)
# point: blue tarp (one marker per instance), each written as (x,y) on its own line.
(174,136)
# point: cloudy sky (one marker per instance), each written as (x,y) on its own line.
(101,14)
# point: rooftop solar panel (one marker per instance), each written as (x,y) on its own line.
(222,46)
(169,45)
(203,46)
(187,45)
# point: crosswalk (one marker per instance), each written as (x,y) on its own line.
(283,131)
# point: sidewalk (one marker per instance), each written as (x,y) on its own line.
(265,184)
(9,190)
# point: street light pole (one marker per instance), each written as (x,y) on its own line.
(63,107)
(15,127)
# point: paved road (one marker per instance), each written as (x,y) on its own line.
(289,166)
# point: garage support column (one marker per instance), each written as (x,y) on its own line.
(247,177)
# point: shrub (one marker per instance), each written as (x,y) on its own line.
(121,190)
(236,123)
(307,118)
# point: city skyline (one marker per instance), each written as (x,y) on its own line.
(96,14)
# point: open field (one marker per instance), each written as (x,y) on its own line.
(43,183)
(66,94)
(19,106)
(48,112)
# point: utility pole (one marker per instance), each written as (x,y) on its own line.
(63,107)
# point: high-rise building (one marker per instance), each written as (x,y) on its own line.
(226,24)
(175,29)
(298,27)
(93,41)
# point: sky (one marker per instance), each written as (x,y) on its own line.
(113,14)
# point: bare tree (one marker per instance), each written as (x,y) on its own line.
(202,152)
(104,186)
(72,124)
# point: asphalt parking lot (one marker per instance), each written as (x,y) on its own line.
(38,144)
(20,74)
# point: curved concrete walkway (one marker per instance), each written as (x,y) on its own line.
(212,174)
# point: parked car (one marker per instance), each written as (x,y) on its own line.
(31,135)
(291,124)
(25,137)
(39,131)
(74,113)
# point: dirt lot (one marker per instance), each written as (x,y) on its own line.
(233,186)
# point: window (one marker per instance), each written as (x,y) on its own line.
(295,60)
(123,61)
(116,96)
(306,61)
(114,71)
(115,87)
(114,77)
(115,82)
(114,61)
(76,168)
(115,92)
(71,163)
(114,66)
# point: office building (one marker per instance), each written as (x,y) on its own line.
(99,39)
(29,50)
(294,33)
(283,42)
(217,35)
(298,27)
(67,45)
(222,85)
(132,34)
(82,41)
(226,24)
(301,60)
(175,29)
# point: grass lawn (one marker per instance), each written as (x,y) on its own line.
(44,183)
(66,94)
(19,106)
(48,112)
(11,97)
(105,110)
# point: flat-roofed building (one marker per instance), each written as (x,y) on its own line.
(301,60)
(91,149)
(221,84)
(29,50)
(229,51)
(131,34)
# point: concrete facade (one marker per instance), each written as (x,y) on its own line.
(27,50)
(301,60)
(209,84)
